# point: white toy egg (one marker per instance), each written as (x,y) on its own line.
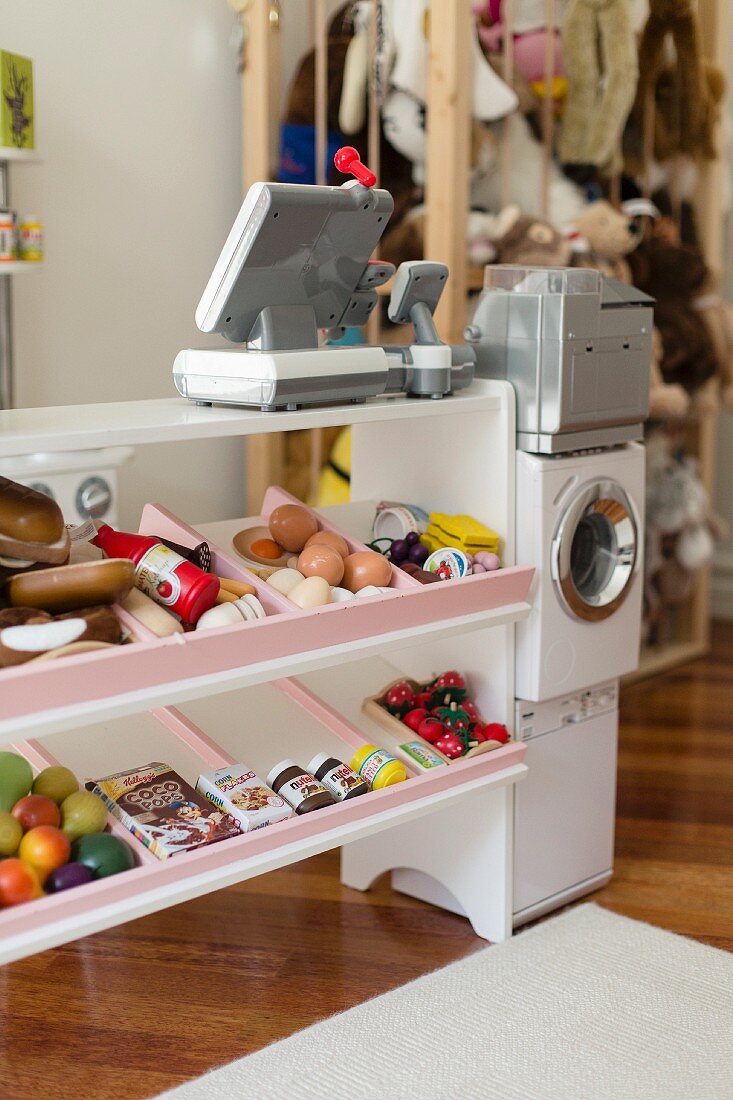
(341,595)
(371,590)
(312,592)
(284,580)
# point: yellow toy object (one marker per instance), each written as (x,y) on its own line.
(334,483)
(459,532)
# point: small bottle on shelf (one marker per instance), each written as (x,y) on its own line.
(378,767)
(299,788)
(30,240)
(337,777)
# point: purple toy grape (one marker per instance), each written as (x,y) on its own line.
(418,553)
(412,538)
(71,874)
(398,551)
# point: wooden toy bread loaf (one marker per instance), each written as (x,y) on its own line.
(69,587)
(31,525)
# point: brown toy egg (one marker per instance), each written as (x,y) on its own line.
(291,526)
(330,538)
(366,567)
(319,560)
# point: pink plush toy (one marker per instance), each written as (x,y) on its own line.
(530,37)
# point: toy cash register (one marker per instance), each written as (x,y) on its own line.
(296,262)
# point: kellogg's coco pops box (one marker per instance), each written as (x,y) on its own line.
(241,793)
(162,810)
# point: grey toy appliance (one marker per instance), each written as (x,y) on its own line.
(297,261)
(576,347)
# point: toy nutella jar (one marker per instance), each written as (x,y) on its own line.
(299,788)
(337,777)
(377,767)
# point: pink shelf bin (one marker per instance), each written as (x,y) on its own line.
(287,632)
(155,884)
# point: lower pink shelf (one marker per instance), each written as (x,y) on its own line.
(156,884)
(50,695)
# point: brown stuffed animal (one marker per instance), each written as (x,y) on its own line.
(610,236)
(599,50)
(675,275)
(692,105)
(530,242)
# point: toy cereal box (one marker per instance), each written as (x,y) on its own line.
(162,810)
(240,792)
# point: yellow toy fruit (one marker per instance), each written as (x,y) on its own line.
(11,832)
(56,783)
(81,813)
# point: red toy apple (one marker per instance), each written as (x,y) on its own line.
(430,729)
(495,731)
(414,717)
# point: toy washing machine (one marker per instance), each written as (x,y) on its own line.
(580,522)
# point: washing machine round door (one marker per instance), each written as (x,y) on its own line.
(594,551)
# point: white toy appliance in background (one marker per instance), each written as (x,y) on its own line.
(84,484)
(564,811)
(580,523)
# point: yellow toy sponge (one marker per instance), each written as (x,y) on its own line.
(463,532)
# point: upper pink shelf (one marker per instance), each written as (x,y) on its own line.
(46,697)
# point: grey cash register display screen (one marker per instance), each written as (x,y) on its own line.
(297,246)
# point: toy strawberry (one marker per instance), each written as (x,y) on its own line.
(399,699)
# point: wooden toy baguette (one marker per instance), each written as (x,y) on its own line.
(150,614)
(68,587)
(31,525)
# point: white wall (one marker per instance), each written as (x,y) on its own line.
(138,124)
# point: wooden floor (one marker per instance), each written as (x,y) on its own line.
(135,1010)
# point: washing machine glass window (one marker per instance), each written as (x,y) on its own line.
(595,551)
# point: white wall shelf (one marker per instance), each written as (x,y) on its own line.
(9,152)
(18,267)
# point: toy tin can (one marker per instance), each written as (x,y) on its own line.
(8,239)
(448,564)
(394,520)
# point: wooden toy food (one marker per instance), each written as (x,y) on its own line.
(291,526)
(248,544)
(36,809)
(31,525)
(18,883)
(82,812)
(69,587)
(16,778)
(68,876)
(319,560)
(238,610)
(44,848)
(285,580)
(366,567)
(159,621)
(329,538)
(311,592)
(19,644)
(103,854)
(11,833)
(237,588)
(56,783)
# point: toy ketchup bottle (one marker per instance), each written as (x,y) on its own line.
(161,573)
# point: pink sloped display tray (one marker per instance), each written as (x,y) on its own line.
(154,884)
(152,664)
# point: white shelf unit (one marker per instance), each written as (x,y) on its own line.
(9,152)
(416,451)
(18,267)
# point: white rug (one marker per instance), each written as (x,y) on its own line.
(588,1006)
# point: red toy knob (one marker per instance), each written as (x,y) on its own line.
(347,161)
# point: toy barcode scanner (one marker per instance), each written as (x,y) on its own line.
(347,161)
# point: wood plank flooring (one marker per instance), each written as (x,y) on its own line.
(138,1009)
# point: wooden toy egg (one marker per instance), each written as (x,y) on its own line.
(366,567)
(320,560)
(285,580)
(330,538)
(291,526)
(312,592)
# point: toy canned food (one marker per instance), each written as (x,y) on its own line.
(378,767)
(8,247)
(448,564)
(394,520)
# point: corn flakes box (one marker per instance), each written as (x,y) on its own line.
(241,793)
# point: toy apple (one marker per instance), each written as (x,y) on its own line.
(18,882)
(44,848)
(36,809)
(414,717)
(495,731)
(430,729)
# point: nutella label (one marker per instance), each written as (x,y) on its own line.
(422,754)
(156,574)
(374,764)
(341,781)
(301,787)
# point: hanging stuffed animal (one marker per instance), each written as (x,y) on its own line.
(513,237)
(608,236)
(600,92)
(529,40)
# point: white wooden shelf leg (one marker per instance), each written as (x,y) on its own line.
(460,858)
